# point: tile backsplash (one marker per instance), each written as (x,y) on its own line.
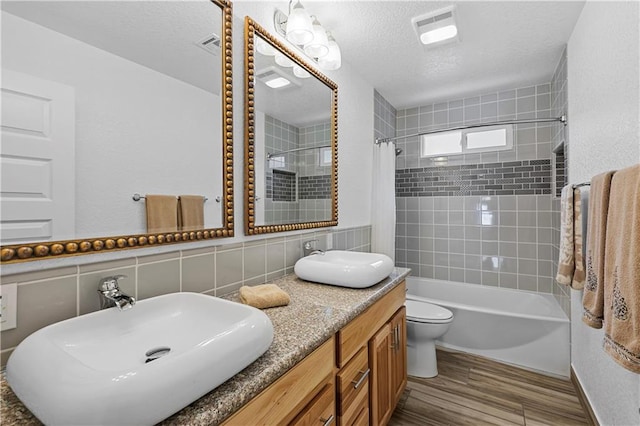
(49,296)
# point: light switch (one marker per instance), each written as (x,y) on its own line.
(8,305)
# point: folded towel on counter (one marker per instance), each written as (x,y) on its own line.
(593,297)
(190,212)
(264,296)
(622,270)
(566,261)
(162,213)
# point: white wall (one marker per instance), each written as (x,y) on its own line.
(137,130)
(603,78)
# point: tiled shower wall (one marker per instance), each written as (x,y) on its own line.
(280,137)
(303,197)
(478,218)
(46,297)
(384,117)
(559,107)
(314,182)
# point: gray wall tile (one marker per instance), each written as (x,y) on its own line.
(158,278)
(199,273)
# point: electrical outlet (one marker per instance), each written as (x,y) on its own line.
(8,306)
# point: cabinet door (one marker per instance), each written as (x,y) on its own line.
(398,354)
(380,364)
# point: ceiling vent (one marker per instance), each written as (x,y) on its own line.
(436,27)
(210,43)
(276,78)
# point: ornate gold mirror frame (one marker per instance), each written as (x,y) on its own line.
(56,249)
(251,28)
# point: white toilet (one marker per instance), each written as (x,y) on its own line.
(425,324)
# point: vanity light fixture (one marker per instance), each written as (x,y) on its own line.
(321,47)
(300,72)
(332,60)
(283,60)
(299,25)
(436,27)
(264,48)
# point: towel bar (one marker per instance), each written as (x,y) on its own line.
(582,184)
(138,197)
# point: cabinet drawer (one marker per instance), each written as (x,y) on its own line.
(362,419)
(353,412)
(356,334)
(353,380)
(320,411)
(282,400)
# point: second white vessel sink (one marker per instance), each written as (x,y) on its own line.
(137,366)
(344,268)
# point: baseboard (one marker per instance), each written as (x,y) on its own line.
(584,401)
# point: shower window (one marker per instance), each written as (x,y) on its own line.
(467,141)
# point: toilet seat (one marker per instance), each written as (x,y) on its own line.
(424,312)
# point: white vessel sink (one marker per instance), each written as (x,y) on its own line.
(99,368)
(344,268)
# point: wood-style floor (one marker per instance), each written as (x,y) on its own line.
(471,390)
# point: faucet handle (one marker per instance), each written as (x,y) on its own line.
(110,283)
(307,244)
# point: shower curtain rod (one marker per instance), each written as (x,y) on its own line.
(271,154)
(562,119)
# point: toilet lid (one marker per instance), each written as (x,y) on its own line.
(426,312)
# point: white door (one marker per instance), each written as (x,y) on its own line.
(37,159)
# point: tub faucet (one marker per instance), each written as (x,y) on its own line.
(110,294)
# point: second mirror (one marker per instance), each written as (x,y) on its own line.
(291,147)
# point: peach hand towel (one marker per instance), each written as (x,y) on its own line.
(579,271)
(593,297)
(622,270)
(190,212)
(566,261)
(162,213)
(264,296)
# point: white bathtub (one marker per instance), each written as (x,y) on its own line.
(516,327)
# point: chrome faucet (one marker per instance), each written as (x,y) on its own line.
(110,294)
(308,249)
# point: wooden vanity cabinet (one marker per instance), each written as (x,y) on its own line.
(355,378)
(388,361)
(352,390)
(321,410)
(398,330)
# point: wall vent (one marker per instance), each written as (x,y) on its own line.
(431,19)
(210,43)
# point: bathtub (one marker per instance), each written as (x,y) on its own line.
(517,327)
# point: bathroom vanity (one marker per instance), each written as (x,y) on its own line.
(324,343)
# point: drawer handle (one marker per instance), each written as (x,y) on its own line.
(357,384)
(328,421)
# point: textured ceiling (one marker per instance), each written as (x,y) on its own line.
(160,35)
(502,45)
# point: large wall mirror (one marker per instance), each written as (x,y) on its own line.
(104,102)
(291,139)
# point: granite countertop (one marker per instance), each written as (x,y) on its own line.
(315,313)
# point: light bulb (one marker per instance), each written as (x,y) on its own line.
(332,60)
(318,47)
(299,26)
(283,60)
(264,48)
(300,72)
